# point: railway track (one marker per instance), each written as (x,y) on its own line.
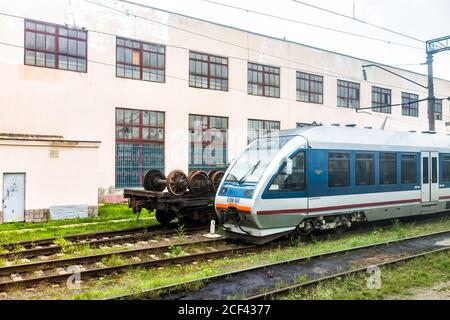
(45,247)
(265,281)
(26,275)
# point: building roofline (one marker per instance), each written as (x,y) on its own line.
(279,39)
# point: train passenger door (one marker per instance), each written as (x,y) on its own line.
(430,177)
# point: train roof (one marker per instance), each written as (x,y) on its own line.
(369,139)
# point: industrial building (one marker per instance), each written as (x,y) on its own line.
(95,93)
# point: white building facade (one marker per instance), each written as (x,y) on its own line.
(147,88)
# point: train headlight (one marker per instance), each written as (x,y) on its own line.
(248,193)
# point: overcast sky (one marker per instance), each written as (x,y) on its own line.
(422,19)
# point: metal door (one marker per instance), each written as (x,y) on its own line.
(13,197)
(430,177)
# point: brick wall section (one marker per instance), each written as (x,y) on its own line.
(37,215)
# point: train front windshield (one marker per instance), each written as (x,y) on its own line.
(253,162)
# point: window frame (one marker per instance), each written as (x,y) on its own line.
(373,159)
(280,169)
(441,103)
(347,86)
(381,105)
(264,127)
(265,70)
(141,52)
(192,166)
(442,170)
(408,107)
(208,76)
(56,51)
(140,142)
(309,92)
(349,173)
(396,158)
(415,164)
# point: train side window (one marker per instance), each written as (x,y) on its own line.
(388,168)
(291,182)
(408,168)
(338,169)
(434,170)
(365,169)
(446,168)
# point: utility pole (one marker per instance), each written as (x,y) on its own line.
(434,46)
(431,100)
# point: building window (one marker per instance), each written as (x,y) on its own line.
(388,168)
(348,94)
(408,168)
(140,60)
(263,80)
(293,182)
(309,88)
(207,142)
(338,169)
(259,128)
(53,46)
(208,72)
(365,169)
(438,109)
(381,100)
(410,104)
(139,145)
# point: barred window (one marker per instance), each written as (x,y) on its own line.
(207,142)
(140,60)
(208,72)
(53,46)
(139,145)
(259,128)
(410,106)
(438,109)
(348,94)
(263,80)
(381,100)
(309,88)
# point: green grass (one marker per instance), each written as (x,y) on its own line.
(59,228)
(396,282)
(137,280)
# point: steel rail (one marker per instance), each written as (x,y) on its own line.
(106,270)
(273,293)
(177,287)
(93,242)
(49,264)
(85,236)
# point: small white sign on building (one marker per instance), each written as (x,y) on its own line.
(68,212)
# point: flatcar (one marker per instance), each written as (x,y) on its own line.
(320,178)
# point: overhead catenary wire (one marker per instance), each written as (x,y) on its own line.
(360,21)
(310,25)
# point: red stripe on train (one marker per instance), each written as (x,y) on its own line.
(360,205)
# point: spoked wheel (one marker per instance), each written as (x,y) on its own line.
(177,183)
(164,217)
(198,182)
(215,179)
(154,180)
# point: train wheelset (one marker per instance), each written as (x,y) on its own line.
(178,183)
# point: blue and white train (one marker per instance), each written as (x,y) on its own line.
(320,178)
